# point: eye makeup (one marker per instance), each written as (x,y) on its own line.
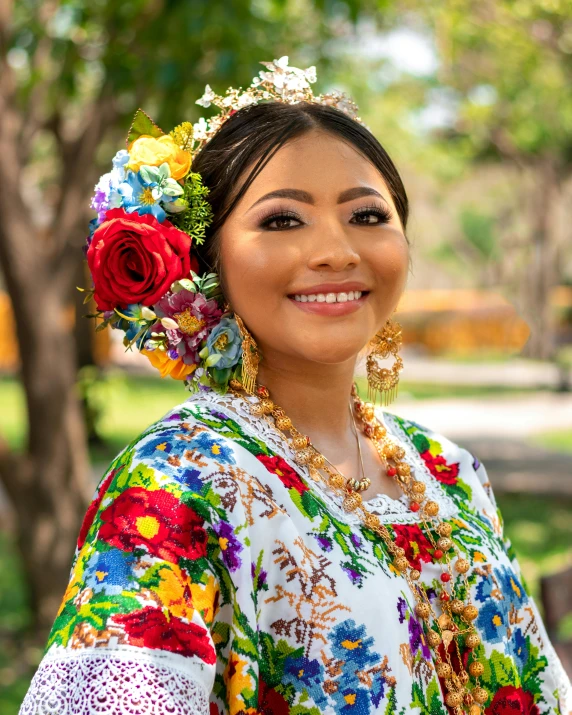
(284,215)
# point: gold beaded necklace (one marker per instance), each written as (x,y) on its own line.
(455,622)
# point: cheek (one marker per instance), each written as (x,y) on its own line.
(256,269)
(390,264)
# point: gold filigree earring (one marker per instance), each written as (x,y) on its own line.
(250,357)
(384,381)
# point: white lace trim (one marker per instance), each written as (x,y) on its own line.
(389,510)
(100,681)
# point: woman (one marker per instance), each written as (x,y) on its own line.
(273,544)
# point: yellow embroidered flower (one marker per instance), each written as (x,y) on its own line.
(174,592)
(148,151)
(204,597)
(177,369)
(236,678)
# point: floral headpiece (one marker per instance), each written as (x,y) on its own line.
(151,208)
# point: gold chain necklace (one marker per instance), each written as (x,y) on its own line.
(454,625)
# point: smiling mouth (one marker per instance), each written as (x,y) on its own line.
(342,297)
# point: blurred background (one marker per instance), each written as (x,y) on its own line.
(473,101)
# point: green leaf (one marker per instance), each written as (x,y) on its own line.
(142,124)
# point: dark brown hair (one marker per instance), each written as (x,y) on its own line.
(251,136)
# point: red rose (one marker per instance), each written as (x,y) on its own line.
(150,628)
(445,473)
(284,471)
(509,700)
(156,520)
(134,259)
(416,545)
(93,507)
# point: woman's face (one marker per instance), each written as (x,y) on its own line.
(314,258)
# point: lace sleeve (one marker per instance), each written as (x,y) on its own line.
(133,634)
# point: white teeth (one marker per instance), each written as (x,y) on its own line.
(328,297)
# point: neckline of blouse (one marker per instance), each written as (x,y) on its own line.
(388,509)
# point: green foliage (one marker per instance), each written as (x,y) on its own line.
(142,124)
(198,216)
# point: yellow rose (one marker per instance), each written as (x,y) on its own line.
(177,369)
(149,151)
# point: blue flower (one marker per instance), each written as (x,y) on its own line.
(493,620)
(499,593)
(519,647)
(350,644)
(225,341)
(110,571)
(308,673)
(107,194)
(213,448)
(146,190)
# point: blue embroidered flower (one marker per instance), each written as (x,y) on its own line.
(310,674)
(519,646)
(110,571)
(350,644)
(213,448)
(499,594)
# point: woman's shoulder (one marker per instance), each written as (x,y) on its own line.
(447,460)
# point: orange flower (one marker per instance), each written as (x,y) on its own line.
(177,369)
(149,151)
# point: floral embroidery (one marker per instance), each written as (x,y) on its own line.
(275,604)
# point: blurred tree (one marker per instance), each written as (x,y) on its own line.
(72,73)
(507,68)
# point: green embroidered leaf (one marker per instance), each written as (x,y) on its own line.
(142,124)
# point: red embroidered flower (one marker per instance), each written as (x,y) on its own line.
(134,259)
(445,473)
(150,628)
(509,700)
(156,520)
(270,702)
(416,545)
(284,471)
(93,507)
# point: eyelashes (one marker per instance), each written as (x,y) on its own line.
(361,217)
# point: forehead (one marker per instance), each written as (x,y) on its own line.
(320,163)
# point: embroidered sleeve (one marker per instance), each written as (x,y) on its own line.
(555,685)
(134,631)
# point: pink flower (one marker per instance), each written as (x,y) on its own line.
(195,317)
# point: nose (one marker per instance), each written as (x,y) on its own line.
(331,249)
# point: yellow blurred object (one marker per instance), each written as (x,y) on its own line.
(167,367)
(153,152)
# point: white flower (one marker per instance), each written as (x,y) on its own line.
(311,74)
(207,98)
(200,129)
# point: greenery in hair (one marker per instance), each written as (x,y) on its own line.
(199,215)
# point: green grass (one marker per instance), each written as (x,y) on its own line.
(558,440)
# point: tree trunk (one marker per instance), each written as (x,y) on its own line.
(49,484)
(542,274)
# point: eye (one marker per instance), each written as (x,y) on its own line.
(371,216)
(281,221)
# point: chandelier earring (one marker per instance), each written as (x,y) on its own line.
(250,357)
(384,381)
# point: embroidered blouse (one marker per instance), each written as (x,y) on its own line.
(213,576)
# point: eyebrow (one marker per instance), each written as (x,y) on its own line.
(307,198)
